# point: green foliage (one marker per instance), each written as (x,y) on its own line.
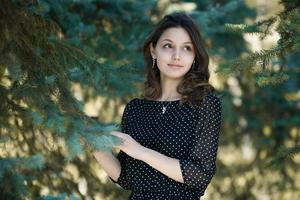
(48,47)
(211,17)
(269,103)
(288,27)
(283,153)
(39,64)
(270,78)
(11,175)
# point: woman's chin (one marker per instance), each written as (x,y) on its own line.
(174,76)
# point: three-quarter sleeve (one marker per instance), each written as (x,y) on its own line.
(122,180)
(200,165)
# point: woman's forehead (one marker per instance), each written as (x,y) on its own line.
(176,35)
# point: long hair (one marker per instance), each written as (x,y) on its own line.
(194,85)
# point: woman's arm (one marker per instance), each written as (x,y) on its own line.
(109,163)
(115,166)
(199,167)
(166,165)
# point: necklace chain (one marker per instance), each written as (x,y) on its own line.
(164,108)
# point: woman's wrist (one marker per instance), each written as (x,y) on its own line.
(142,153)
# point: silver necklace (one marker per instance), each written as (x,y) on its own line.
(164,108)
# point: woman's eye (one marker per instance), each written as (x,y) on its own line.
(188,48)
(167,45)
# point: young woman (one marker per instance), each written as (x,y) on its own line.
(170,135)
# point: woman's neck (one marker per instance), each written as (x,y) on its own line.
(169,91)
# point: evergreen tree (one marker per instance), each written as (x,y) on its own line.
(278,65)
(261,109)
(47,47)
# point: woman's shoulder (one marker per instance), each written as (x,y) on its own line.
(211,100)
(140,100)
(132,103)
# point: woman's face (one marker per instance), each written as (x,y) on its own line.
(174,53)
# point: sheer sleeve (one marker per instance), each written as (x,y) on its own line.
(200,166)
(122,180)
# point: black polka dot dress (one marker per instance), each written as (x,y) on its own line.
(187,133)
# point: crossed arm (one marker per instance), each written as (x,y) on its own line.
(166,165)
(199,167)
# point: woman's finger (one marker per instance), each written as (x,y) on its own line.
(116,134)
(120,136)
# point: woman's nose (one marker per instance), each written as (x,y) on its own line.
(176,55)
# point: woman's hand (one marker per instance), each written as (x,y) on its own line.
(129,145)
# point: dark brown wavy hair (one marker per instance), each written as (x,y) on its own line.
(194,85)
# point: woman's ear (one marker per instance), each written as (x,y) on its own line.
(152,50)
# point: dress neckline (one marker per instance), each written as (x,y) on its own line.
(149,100)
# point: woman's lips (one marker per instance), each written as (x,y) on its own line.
(175,66)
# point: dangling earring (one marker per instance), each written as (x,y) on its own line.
(153,62)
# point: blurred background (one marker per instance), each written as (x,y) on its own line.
(66,65)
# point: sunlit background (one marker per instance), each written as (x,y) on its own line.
(257,120)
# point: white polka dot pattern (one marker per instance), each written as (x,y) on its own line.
(187,133)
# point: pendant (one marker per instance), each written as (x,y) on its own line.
(164,109)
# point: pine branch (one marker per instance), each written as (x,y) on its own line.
(271,79)
(13,163)
(283,154)
(288,28)
(261,27)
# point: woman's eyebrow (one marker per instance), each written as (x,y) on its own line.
(172,41)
